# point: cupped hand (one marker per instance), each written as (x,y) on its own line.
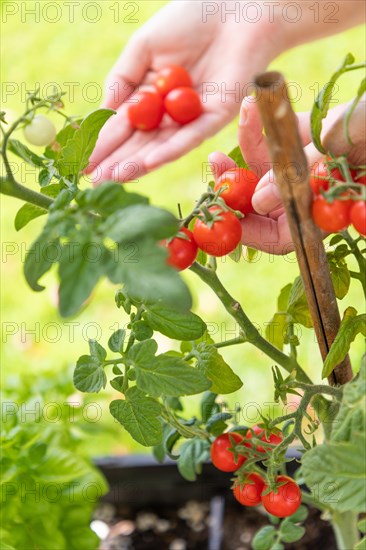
(267,229)
(209,49)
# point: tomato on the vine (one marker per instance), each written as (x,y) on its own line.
(249,494)
(182,250)
(331,217)
(320,177)
(40,131)
(273,439)
(220,235)
(285,500)
(183,104)
(358,216)
(358,177)
(222,457)
(146,110)
(241,184)
(171,77)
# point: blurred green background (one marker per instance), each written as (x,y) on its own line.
(36,342)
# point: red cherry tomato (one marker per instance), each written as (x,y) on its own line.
(285,501)
(331,217)
(182,251)
(358,216)
(274,439)
(171,77)
(219,236)
(183,105)
(222,457)
(319,177)
(146,110)
(241,184)
(249,494)
(358,178)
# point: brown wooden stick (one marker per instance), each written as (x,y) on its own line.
(292,177)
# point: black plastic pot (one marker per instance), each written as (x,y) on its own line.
(138,482)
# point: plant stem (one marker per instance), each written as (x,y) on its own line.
(345,529)
(231,342)
(251,334)
(359,259)
(8,186)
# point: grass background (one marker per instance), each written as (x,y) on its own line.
(81,52)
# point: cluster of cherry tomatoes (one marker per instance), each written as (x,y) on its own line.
(341,212)
(172,93)
(251,489)
(217,231)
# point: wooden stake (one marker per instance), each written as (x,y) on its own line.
(292,177)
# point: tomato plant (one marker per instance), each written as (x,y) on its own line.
(146,110)
(240,185)
(39,131)
(284,500)
(222,455)
(183,105)
(249,493)
(219,233)
(182,250)
(171,77)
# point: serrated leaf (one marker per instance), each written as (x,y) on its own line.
(89,375)
(109,197)
(340,277)
(174,324)
(22,151)
(237,157)
(139,415)
(54,150)
(335,240)
(212,364)
(97,351)
(351,416)
(115,342)
(164,374)
(297,305)
(27,213)
(139,220)
(142,330)
(75,154)
(264,538)
(291,532)
(117,383)
(192,454)
(351,325)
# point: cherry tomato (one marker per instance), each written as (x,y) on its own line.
(182,251)
(220,236)
(274,439)
(146,110)
(358,216)
(317,175)
(171,77)
(40,131)
(331,217)
(285,501)
(241,184)
(358,178)
(222,457)
(183,105)
(249,494)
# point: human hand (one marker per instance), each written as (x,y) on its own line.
(268,229)
(210,50)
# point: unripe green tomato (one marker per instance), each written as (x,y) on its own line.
(40,131)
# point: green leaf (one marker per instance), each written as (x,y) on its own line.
(43,253)
(97,351)
(115,342)
(264,538)
(75,155)
(25,153)
(340,276)
(89,375)
(174,324)
(336,473)
(291,532)
(236,254)
(142,330)
(297,305)
(283,298)
(109,197)
(217,423)
(361,545)
(192,454)
(61,466)
(139,415)
(237,157)
(117,383)
(78,275)
(276,329)
(54,150)
(27,213)
(208,405)
(300,515)
(45,176)
(361,525)
(138,221)
(164,374)
(351,325)
(143,270)
(212,364)
(322,102)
